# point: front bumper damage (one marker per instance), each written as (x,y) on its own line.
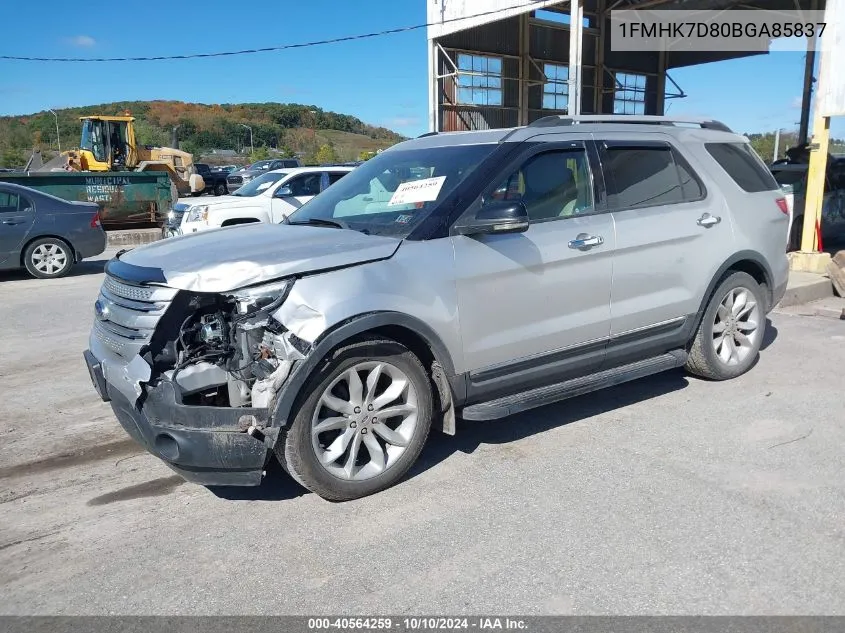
(219,446)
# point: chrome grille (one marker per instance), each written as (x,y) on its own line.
(127,314)
(235,180)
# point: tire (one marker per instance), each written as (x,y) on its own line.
(219,189)
(196,194)
(707,354)
(337,480)
(48,258)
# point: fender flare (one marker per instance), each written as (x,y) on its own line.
(741,256)
(345,331)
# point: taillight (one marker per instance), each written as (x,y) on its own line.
(781,202)
(95,221)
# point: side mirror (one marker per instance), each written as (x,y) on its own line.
(495,218)
(283,192)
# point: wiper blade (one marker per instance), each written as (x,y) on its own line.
(321,222)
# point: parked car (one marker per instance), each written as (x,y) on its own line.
(44,234)
(468,275)
(215,180)
(269,198)
(792,178)
(243,176)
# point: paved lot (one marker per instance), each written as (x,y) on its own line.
(669,495)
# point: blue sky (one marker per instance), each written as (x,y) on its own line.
(382,81)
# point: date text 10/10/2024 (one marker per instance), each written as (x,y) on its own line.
(416,624)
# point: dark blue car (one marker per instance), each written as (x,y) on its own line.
(44,234)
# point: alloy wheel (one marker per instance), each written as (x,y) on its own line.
(736,326)
(364,420)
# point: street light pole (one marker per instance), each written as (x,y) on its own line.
(251,146)
(58,140)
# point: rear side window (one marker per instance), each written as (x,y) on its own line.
(743,165)
(647,175)
(13,203)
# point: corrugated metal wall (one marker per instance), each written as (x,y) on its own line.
(547,43)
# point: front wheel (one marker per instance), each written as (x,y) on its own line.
(731,331)
(219,189)
(362,421)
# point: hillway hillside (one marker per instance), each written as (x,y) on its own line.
(289,128)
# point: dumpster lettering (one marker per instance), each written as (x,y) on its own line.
(101,189)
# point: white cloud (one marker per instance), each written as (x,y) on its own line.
(82,41)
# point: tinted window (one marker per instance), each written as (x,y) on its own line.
(11,203)
(642,176)
(690,185)
(743,165)
(305,185)
(552,185)
(334,177)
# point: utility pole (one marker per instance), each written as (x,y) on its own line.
(777,145)
(251,146)
(58,140)
(829,101)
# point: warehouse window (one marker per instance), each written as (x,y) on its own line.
(629,96)
(479,80)
(556,89)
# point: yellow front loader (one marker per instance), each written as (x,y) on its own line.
(108,144)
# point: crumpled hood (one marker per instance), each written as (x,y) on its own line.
(226,259)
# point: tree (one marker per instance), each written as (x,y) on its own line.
(12,157)
(260,153)
(192,148)
(365,155)
(326,154)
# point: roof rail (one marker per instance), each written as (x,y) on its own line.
(427,134)
(552,121)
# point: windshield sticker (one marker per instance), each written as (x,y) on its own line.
(404,219)
(425,190)
(264,185)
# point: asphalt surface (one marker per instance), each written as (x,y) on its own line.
(667,495)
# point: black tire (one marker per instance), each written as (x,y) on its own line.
(196,194)
(795,234)
(60,250)
(294,448)
(703,360)
(219,189)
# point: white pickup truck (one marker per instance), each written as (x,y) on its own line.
(269,198)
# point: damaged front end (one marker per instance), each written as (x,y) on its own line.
(193,376)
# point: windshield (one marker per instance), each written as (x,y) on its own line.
(394,192)
(92,139)
(261,164)
(259,185)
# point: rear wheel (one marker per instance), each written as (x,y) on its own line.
(361,423)
(219,189)
(48,258)
(731,331)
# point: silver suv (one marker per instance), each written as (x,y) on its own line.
(468,275)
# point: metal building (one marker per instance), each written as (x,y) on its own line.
(502,63)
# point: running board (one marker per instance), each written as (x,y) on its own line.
(502,407)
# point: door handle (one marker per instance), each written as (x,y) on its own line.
(585,241)
(11,222)
(708,220)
